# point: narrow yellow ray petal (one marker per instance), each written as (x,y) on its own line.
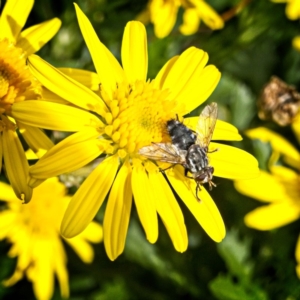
(49,96)
(164,71)
(205,212)
(278,143)
(273,216)
(16,164)
(43,281)
(33,182)
(83,249)
(69,155)
(93,233)
(62,272)
(135,52)
(36,139)
(53,116)
(169,211)
(192,61)
(297,254)
(87,78)
(208,15)
(191,21)
(266,188)
(117,213)
(102,57)
(6,192)
(13,18)
(1,152)
(233,163)
(35,37)
(223,131)
(64,86)
(89,197)
(199,88)
(163,16)
(144,199)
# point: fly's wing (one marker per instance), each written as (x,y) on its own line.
(206,124)
(165,152)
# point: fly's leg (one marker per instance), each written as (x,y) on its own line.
(198,188)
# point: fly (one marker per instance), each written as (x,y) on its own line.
(188,148)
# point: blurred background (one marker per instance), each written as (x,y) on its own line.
(254,44)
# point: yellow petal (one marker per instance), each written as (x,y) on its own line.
(296,122)
(13,18)
(144,199)
(266,188)
(191,22)
(34,38)
(49,96)
(272,216)
(134,52)
(6,192)
(1,152)
(87,78)
(117,213)
(200,88)
(163,15)
(35,138)
(164,71)
(292,10)
(64,86)
(278,143)
(233,163)
(189,81)
(89,197)
(16,164)
(43,278)
(297,254)
(70,154)
(296,42)
(208,15)
(80,245)
(108,68)
(205,211)
(223,130)
(53,116)
(93,233)
(62,272)
(169,211)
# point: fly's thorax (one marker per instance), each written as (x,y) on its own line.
(196,158)
(182,137)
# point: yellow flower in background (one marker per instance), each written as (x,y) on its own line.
(279,188)
(33,231)
(163,15)
(296,42)
(134,112)
(292,9)
(16,85)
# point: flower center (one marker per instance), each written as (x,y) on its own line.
(138,116)
(16,82)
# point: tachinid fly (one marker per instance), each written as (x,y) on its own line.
(188,148)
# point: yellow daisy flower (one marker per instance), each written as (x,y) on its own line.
(279,188)
(163,15)
(292,9)
(33,231)
(134,116)
(17,84)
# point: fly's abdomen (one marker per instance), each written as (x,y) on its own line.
(182,137)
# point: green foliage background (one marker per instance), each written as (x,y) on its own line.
(248,264)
